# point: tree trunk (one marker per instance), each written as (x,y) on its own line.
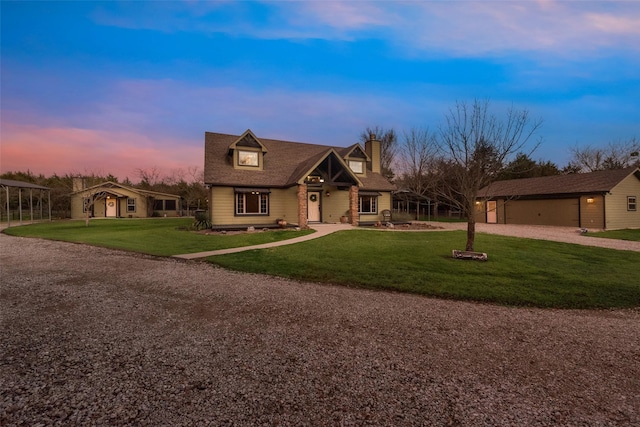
(471,234)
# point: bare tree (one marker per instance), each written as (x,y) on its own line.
(615,155)
(388,148)
(417,155)
(475,144)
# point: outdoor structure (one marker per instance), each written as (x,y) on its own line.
(113,200)
(599,200)
(262,182)
(10,186)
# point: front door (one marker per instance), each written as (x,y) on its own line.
(492,212)
(313,206)
(111,208)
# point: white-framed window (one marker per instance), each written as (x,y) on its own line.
(632,203)
(252,203)
(356,166)
(247,158)
(131,204)
(86,204)
(368,204)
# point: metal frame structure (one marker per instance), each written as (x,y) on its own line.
(20,185)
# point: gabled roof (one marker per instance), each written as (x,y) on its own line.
(113,187)
(285,164)
(248,139)
(580,183)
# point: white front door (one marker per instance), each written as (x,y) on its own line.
(492,212)
(313,207)
(111,208)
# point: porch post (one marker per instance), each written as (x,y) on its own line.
(353,205)
(302,205)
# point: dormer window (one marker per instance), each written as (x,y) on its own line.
(356,166)
(247,158)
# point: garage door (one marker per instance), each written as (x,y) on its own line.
(565,212)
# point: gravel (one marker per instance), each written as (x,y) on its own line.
(91,336)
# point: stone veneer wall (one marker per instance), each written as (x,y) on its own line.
(302,206)
(353,205)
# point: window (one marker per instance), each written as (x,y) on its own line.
(169,205)
(247,158)
(368,204)
(86,204)
(131,205)
(356,166)
(632,203)
(158,205)
(252,203)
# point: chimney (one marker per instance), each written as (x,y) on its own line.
(78,183)
(372,148)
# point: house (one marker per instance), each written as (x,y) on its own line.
(259,182)
(113,200)
(600,200)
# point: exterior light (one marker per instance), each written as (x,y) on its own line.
(478,203)
(328,193)
(590,200)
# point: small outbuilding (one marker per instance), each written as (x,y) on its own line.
(599,200)
(113,200)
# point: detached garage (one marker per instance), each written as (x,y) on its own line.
(600,200)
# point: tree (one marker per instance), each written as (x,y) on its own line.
(474,145)
(417,156)
(615,155)
(388,148)
(525,167)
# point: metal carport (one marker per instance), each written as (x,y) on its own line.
(7,184)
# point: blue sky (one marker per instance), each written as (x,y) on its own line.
(117,86)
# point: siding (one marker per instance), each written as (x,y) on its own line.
(592,214)
(616,214)
(283,204)
(334,206)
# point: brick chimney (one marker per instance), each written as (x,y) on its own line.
(372,148)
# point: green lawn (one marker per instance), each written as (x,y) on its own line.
(626,234)
(157,236)
(519,271)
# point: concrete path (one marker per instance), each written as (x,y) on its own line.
(320,231)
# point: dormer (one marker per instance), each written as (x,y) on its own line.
(356,158)
(247,152)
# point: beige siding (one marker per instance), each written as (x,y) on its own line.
(616,214)
(334,205)
(99,210)
(561,212)
(592,214)
(283,204)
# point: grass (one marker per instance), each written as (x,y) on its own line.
(521,272)
(158,236)
(626,234)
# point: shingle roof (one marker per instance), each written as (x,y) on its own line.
(581,183)
(285,163)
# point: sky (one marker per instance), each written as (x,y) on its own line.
(116,87)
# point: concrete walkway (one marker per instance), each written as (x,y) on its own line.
(320,231)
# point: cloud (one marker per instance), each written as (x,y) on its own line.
(63,150)
(452,28)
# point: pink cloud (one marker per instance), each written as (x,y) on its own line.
(60,150)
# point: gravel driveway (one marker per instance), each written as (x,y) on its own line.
(91,336)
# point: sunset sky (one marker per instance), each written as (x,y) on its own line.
(112,87)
